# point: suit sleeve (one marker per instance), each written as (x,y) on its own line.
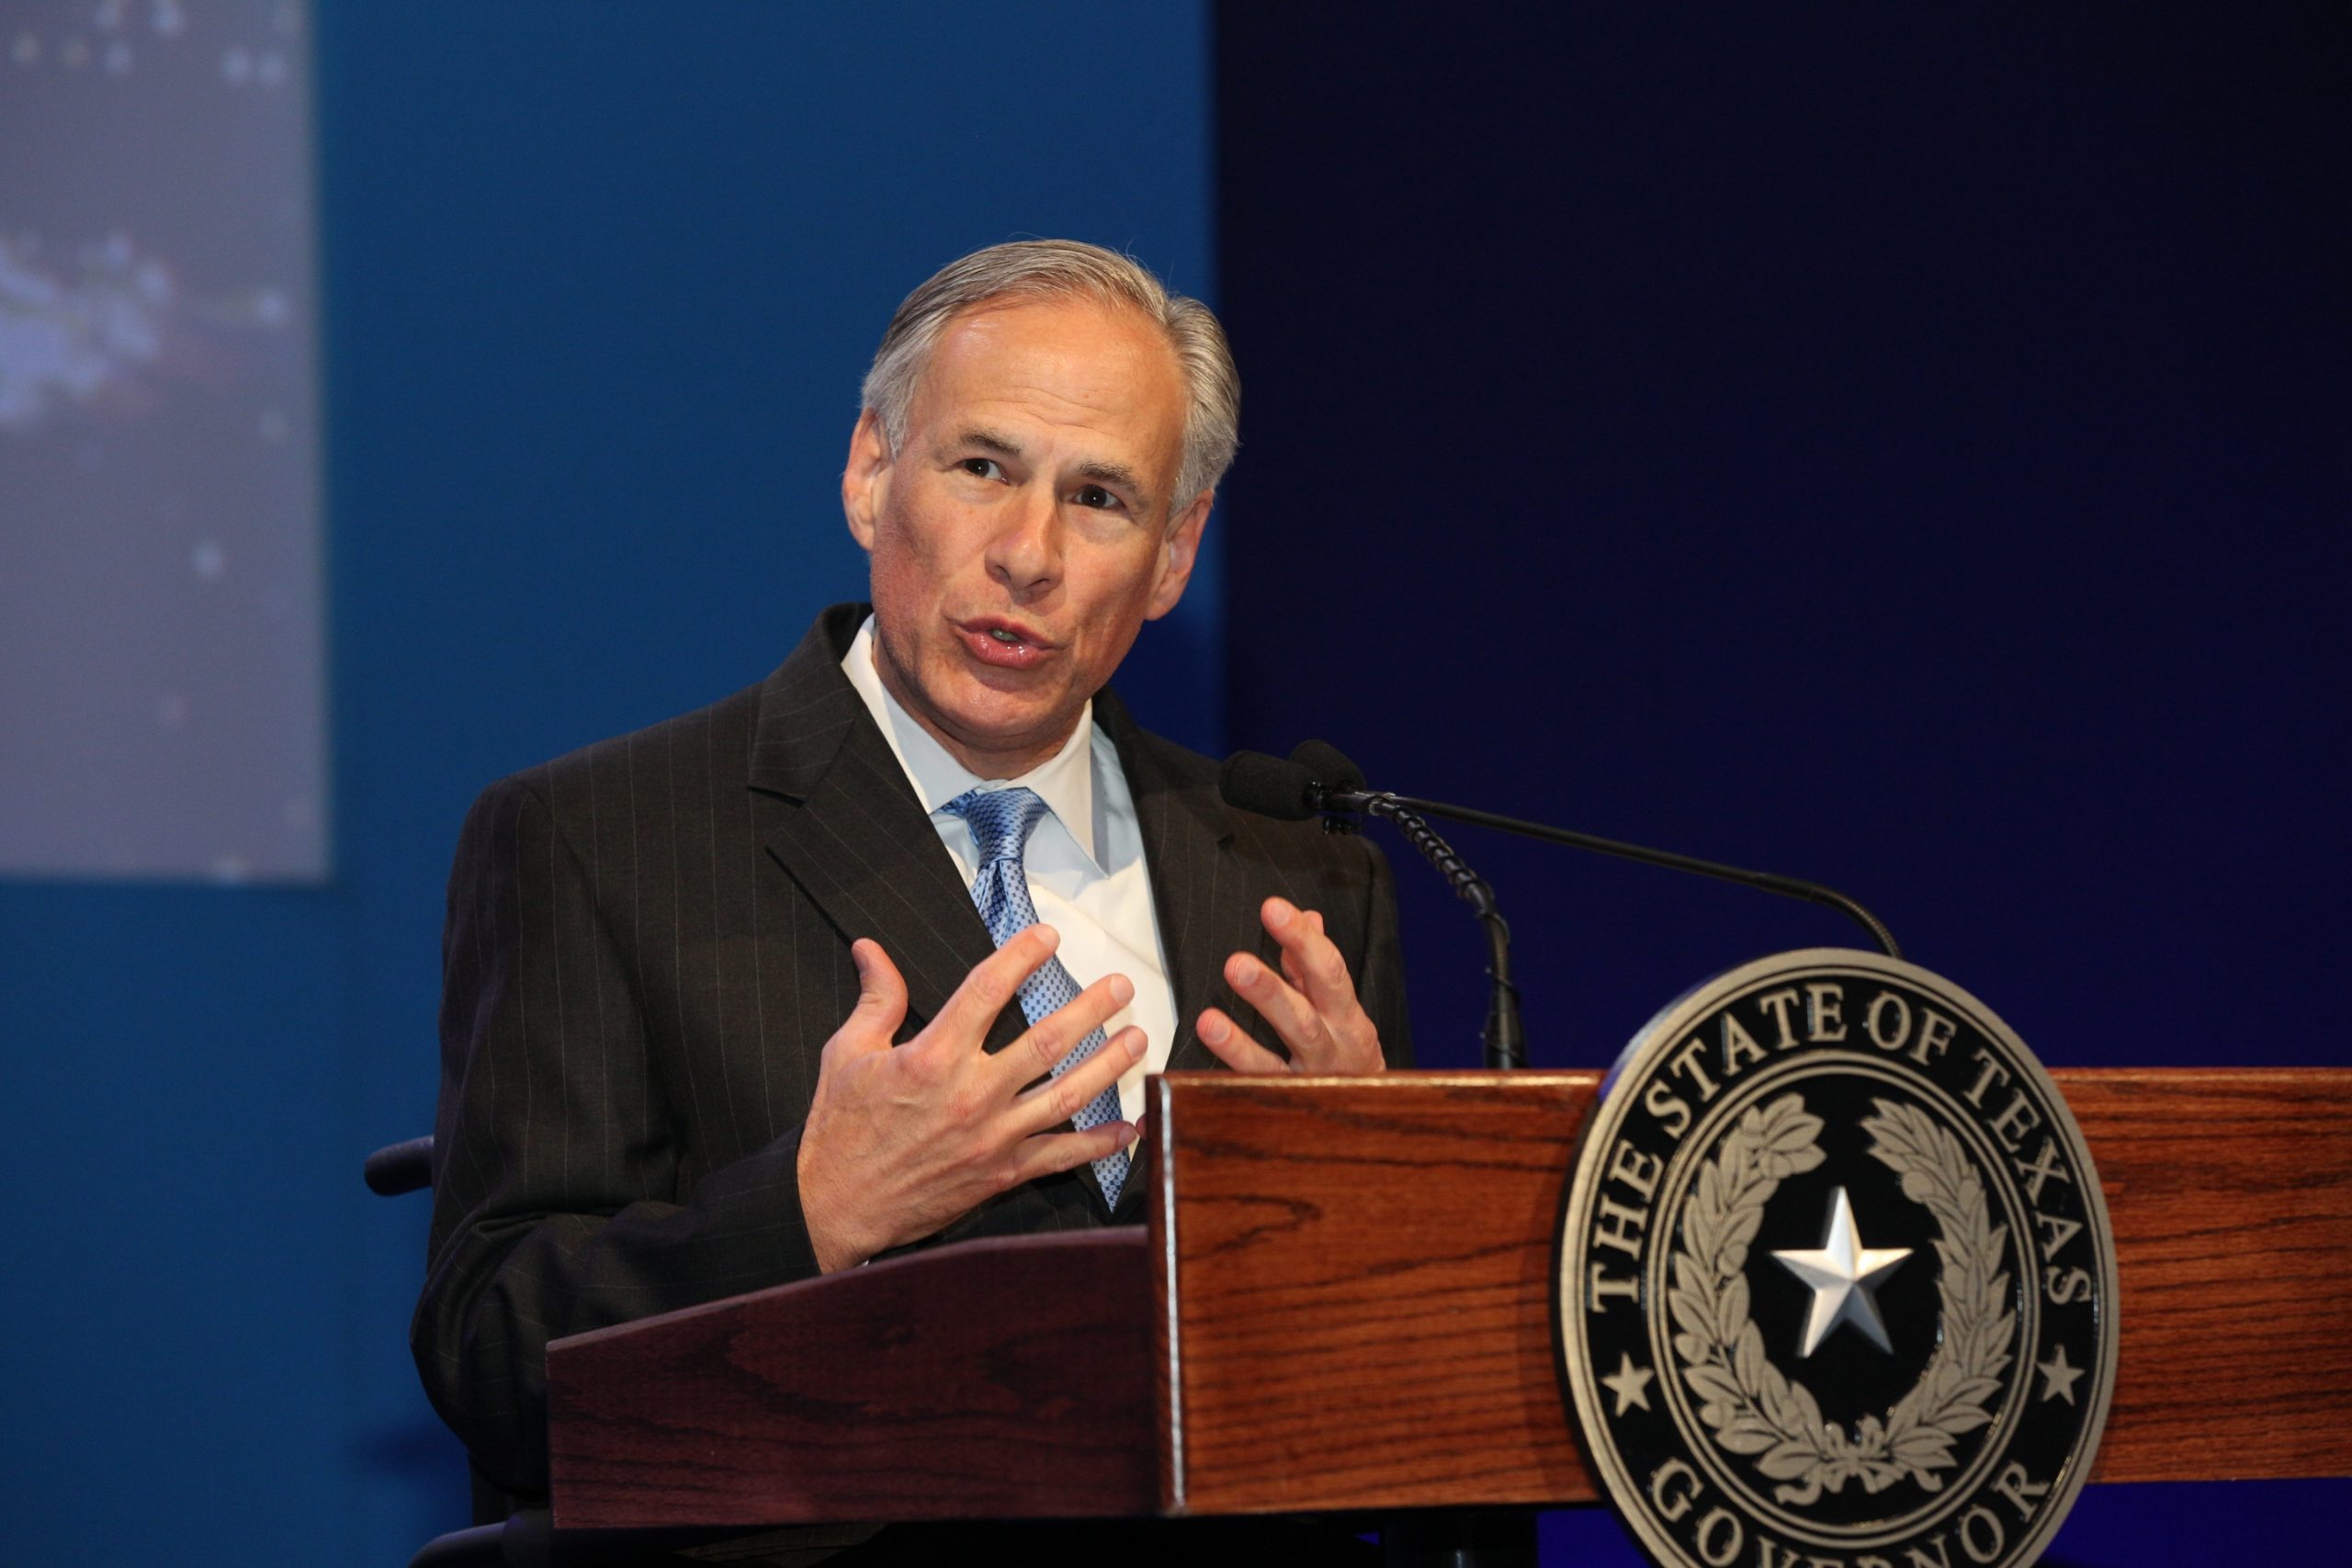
(557,1206)
(1380,980)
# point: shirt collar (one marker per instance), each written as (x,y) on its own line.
(1065,781)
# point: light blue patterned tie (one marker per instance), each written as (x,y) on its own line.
(1000,822)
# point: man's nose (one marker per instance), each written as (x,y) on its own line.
(1027,552)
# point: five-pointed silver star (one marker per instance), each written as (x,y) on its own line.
(1630,1383)
(2057,1377)
(1842,1273)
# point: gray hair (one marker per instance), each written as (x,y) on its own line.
(1040,269)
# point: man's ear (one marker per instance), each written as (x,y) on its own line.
(1177,554)
(865,482)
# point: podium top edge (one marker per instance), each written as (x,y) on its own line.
(1193,1078)
(1395,1077)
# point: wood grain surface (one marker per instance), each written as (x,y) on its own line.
(1343,1302)
(1363,1318)
(2231,1195)
(1365,1314)
(995,1379)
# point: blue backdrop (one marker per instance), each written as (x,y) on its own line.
(600,283)
(1904,446)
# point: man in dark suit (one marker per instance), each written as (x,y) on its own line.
(876,952)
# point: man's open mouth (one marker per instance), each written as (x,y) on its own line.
(1006,644)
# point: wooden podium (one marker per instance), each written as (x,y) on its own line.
(1343,1302)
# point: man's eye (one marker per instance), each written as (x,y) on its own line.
(981,468)
(1095,496)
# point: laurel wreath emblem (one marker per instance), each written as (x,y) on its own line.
(1751,1406)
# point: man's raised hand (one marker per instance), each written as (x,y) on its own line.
(901,1140)
(1311,1005)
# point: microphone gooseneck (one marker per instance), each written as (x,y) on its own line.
(1505,1041)
(1316,774)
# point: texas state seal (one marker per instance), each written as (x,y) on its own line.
(1836,1284)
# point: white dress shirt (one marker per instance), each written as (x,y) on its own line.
(1084,858)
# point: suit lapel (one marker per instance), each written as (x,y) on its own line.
(835,808)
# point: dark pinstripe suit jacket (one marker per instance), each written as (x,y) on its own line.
(646,947)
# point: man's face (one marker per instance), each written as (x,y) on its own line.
(1021,534)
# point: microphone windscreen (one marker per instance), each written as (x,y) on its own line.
(1327,765)
(1267,785)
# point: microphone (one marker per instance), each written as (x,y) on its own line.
(1270,786)
(1318,779)
(1293,790)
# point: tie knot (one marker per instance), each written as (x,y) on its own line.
(1001,819)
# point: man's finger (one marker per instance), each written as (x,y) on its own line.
(1056,1100)
(1309,959)
(881,998)
(1048,1153)
(1230,1043)
(1051,1038)
(1289,1014)
(990,987)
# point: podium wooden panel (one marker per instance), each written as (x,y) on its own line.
(1343,1302)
